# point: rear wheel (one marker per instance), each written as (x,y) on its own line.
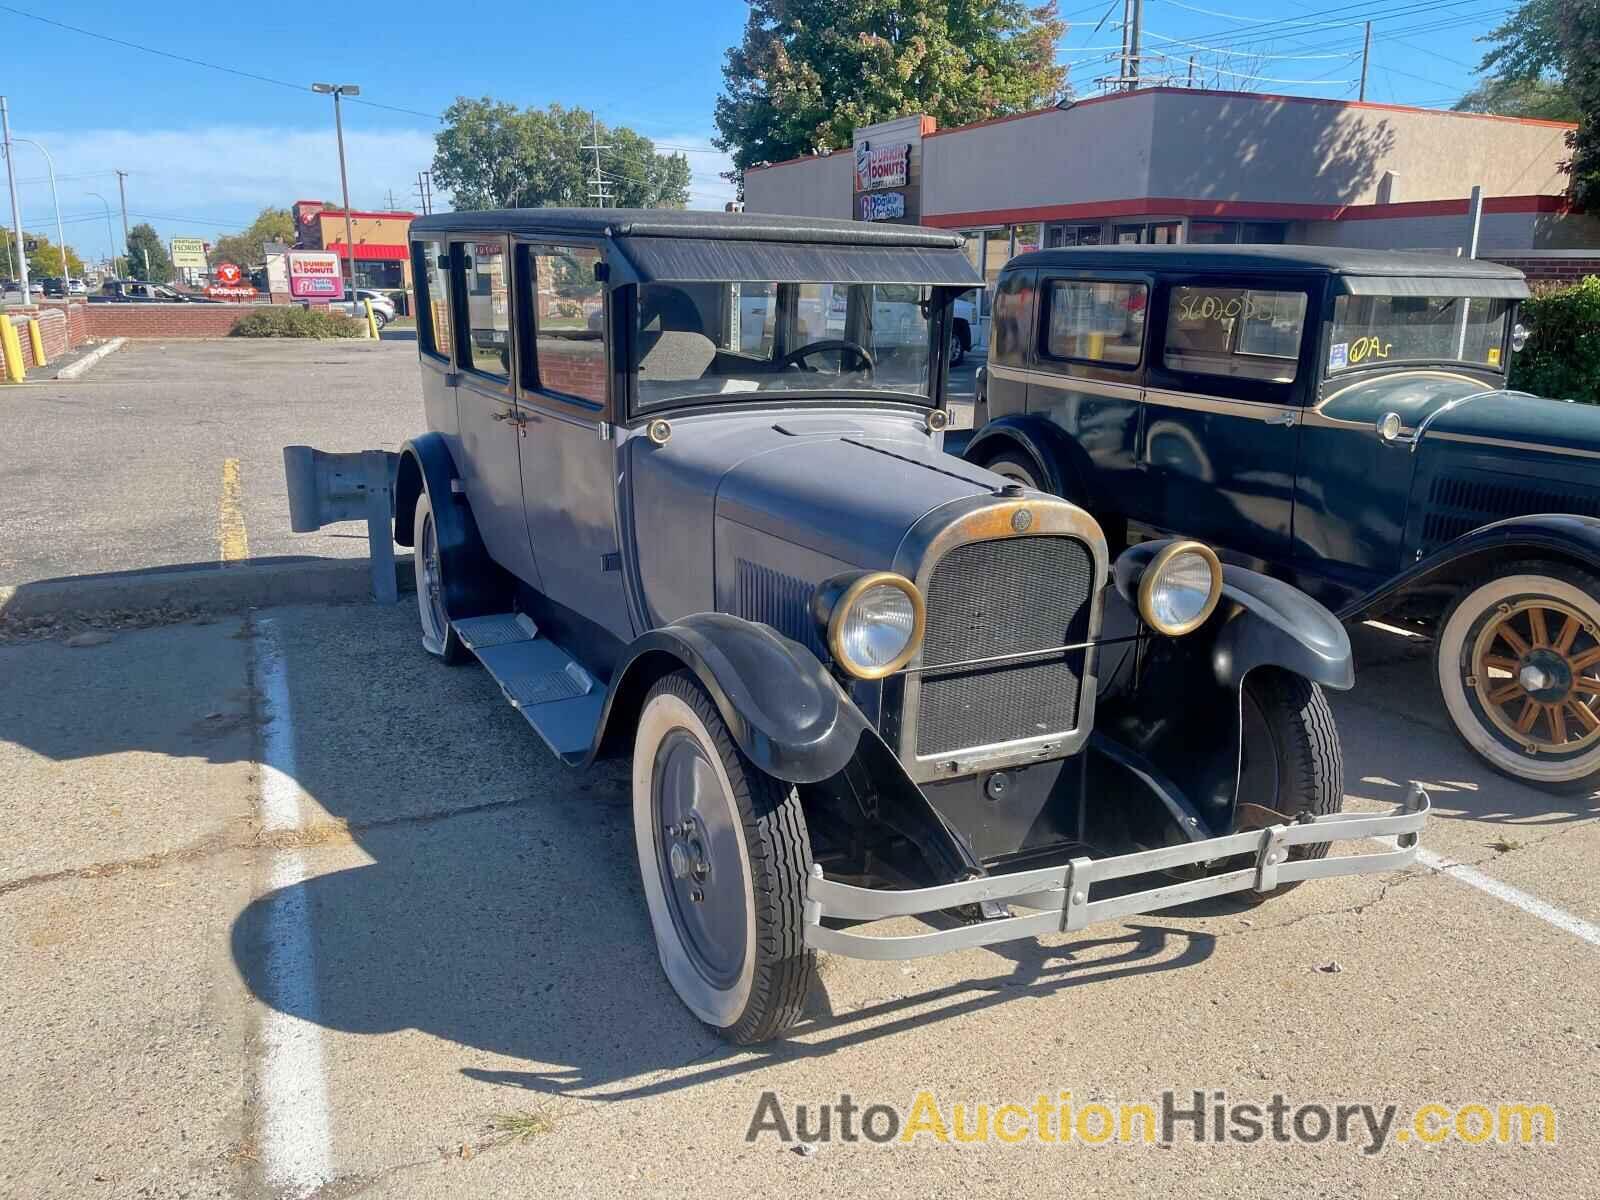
(439,636)
(1518,663)
(1291,761)
(723,857)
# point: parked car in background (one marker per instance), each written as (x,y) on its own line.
(857,678)
(134,291)
(1340,419)
(76,287)
(53,287)
(382,306)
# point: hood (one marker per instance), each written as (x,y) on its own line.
(1518,417)
(850,491)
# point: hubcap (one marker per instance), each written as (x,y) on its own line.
(433,579)
(1536,674)
(698,858)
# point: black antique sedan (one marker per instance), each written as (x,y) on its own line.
(1338,419)
(683,494)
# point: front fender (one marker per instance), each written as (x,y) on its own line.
(1056,454)
(1260,622)
(1563,536)
(784,710)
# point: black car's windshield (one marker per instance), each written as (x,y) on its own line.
(731,339)
(1369,329)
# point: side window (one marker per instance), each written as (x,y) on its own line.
(569,321)
(484,275)
(1238,332)
(433,299)
(1096,321)
(1011,329)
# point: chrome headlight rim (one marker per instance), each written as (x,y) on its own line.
(847,600)
(1152,576)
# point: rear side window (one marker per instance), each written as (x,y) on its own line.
(1242,333)
(1096,322)
(433,299)
(569,321)
(488,308)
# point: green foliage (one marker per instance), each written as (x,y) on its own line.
(147,256)
(44,259)
(244,249)
(1542,99)
(495,155)
(292,321)
(1562,357)
(809,71)
(1557,43)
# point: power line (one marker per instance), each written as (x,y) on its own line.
(1161,37)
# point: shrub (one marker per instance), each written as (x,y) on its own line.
(292,321)
(1562,357)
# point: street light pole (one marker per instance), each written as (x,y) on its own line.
(336,90)
(16,211)
(61,238)
(122,191)
(111,238)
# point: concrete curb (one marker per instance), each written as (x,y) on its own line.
(208,589)
(73,370)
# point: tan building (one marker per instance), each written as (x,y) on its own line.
(381,254)
(1171,164)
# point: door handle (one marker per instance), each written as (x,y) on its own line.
(1283,417)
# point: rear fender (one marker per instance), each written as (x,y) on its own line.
(474,584)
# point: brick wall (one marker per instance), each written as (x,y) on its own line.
(1552,269)
(164,320)
(54,331)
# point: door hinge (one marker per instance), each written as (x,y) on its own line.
(611,562)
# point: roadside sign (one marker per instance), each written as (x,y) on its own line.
(315,275)
(189,253)
(228,283)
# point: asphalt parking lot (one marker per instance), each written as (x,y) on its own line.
(289,908)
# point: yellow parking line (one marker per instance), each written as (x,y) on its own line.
(234,544)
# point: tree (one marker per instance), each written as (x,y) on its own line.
(1543,99)
(495,155)
(809,71)
(1556,44)
(244,249)
(44,259)
(147,257)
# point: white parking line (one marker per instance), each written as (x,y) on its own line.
(294,1125)
(1576,926)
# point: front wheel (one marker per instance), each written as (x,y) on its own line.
(1518,663)
(723,857)
(1291,761)
(1017,467)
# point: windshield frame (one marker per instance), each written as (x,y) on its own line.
(1330,374)
(941,301)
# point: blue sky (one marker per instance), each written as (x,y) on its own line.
(205,150)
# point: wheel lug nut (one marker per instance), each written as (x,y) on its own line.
(697,895)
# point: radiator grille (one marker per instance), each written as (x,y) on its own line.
(1458,504)
(1004,597)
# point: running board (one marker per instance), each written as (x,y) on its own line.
(540,680)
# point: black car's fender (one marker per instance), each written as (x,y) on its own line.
(1563,537)
(784,710)
(474,585)
(1064,468)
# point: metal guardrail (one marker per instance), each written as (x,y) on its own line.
(325,488)
(1059,895)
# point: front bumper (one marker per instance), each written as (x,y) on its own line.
(1060,896)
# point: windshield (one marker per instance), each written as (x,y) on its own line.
(731,339)
(1370,329)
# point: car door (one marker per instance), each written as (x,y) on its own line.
(492,425)
(1228,374)
(569,458)
(1089,375)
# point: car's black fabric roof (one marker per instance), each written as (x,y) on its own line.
(1336,259)
(683,223)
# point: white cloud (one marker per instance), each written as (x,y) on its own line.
(211,181)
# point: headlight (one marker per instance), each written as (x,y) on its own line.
(873,621)
(1179,588)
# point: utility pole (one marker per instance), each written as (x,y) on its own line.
(1134,38)
(1191,70)
(337,90)
(122,191)
(16,211)
(597,185)
(425,191)
(1366,51)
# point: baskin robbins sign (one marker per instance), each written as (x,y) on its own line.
(315,275)
(882,206)
(882,166)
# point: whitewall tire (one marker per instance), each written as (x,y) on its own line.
(439,636)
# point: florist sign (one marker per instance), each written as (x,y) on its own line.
(314,275)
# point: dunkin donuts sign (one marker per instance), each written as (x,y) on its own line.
(882,166)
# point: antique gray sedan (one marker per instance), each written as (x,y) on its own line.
(683,494)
